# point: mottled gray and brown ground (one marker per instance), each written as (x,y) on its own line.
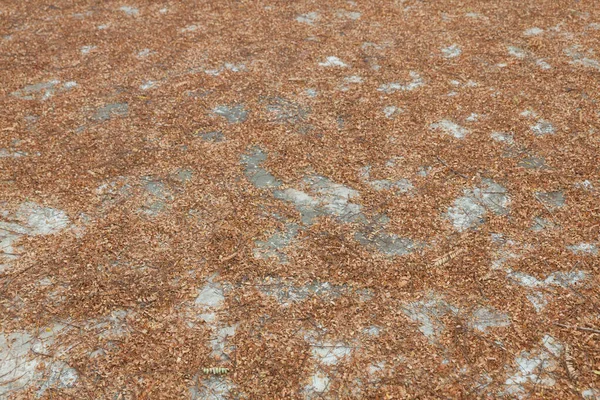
(370,199)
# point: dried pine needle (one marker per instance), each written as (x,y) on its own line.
(569,362)
(446,258)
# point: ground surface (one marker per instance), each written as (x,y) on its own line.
(392,199)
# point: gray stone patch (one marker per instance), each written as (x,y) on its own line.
(147,85)
(320,197)
(155,187)
(474,117)
(311,92)
(234,114)
(391,111)
(326,198)
(484,318)
(552,200)
(543,127)
(450,128)
(584,249)
(69,85)
(87,49)
(219,342)
(39,220)
(330,353)
(112,326)
(257,175)
(469,210)
(535,294)
(543,64)
(560,279)
(335,199)
(579,58)
(506,138)
(5,153)
(475,15)
(308,18)
(133,11)
(540,224)
(205,309)
(524,279)
(533,31)
(586,185)
(538,300)
(529,113)
(27,93)
(373,331)
(451,51)
(144,53)
(493,196)
(374,235)
(318,384)
(273,245)
(190,28)
(516,52)
(591,393)
(287,293)
(210,296)
(111,110)
(415,83)
(332,62)
(304,203)
(233,67)
(43,90)
(82,15)
(240,67)
(482,384)
(532,162)
(351,15)
(388,243)
(424,171)
(469,84)
(534,368)
(60,376)
(373,370)
(113,190)
(17,370)
(325,354)
(183,175)
(154,193)
(286,111)
(402,185)
(158,195)
(213,136)
(350,80)
(25,362)
(341,122)
(428,313)
(29,219)
(392,161)
(212,388)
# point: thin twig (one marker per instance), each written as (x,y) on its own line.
(450,168)
(229,257)
(579,328)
